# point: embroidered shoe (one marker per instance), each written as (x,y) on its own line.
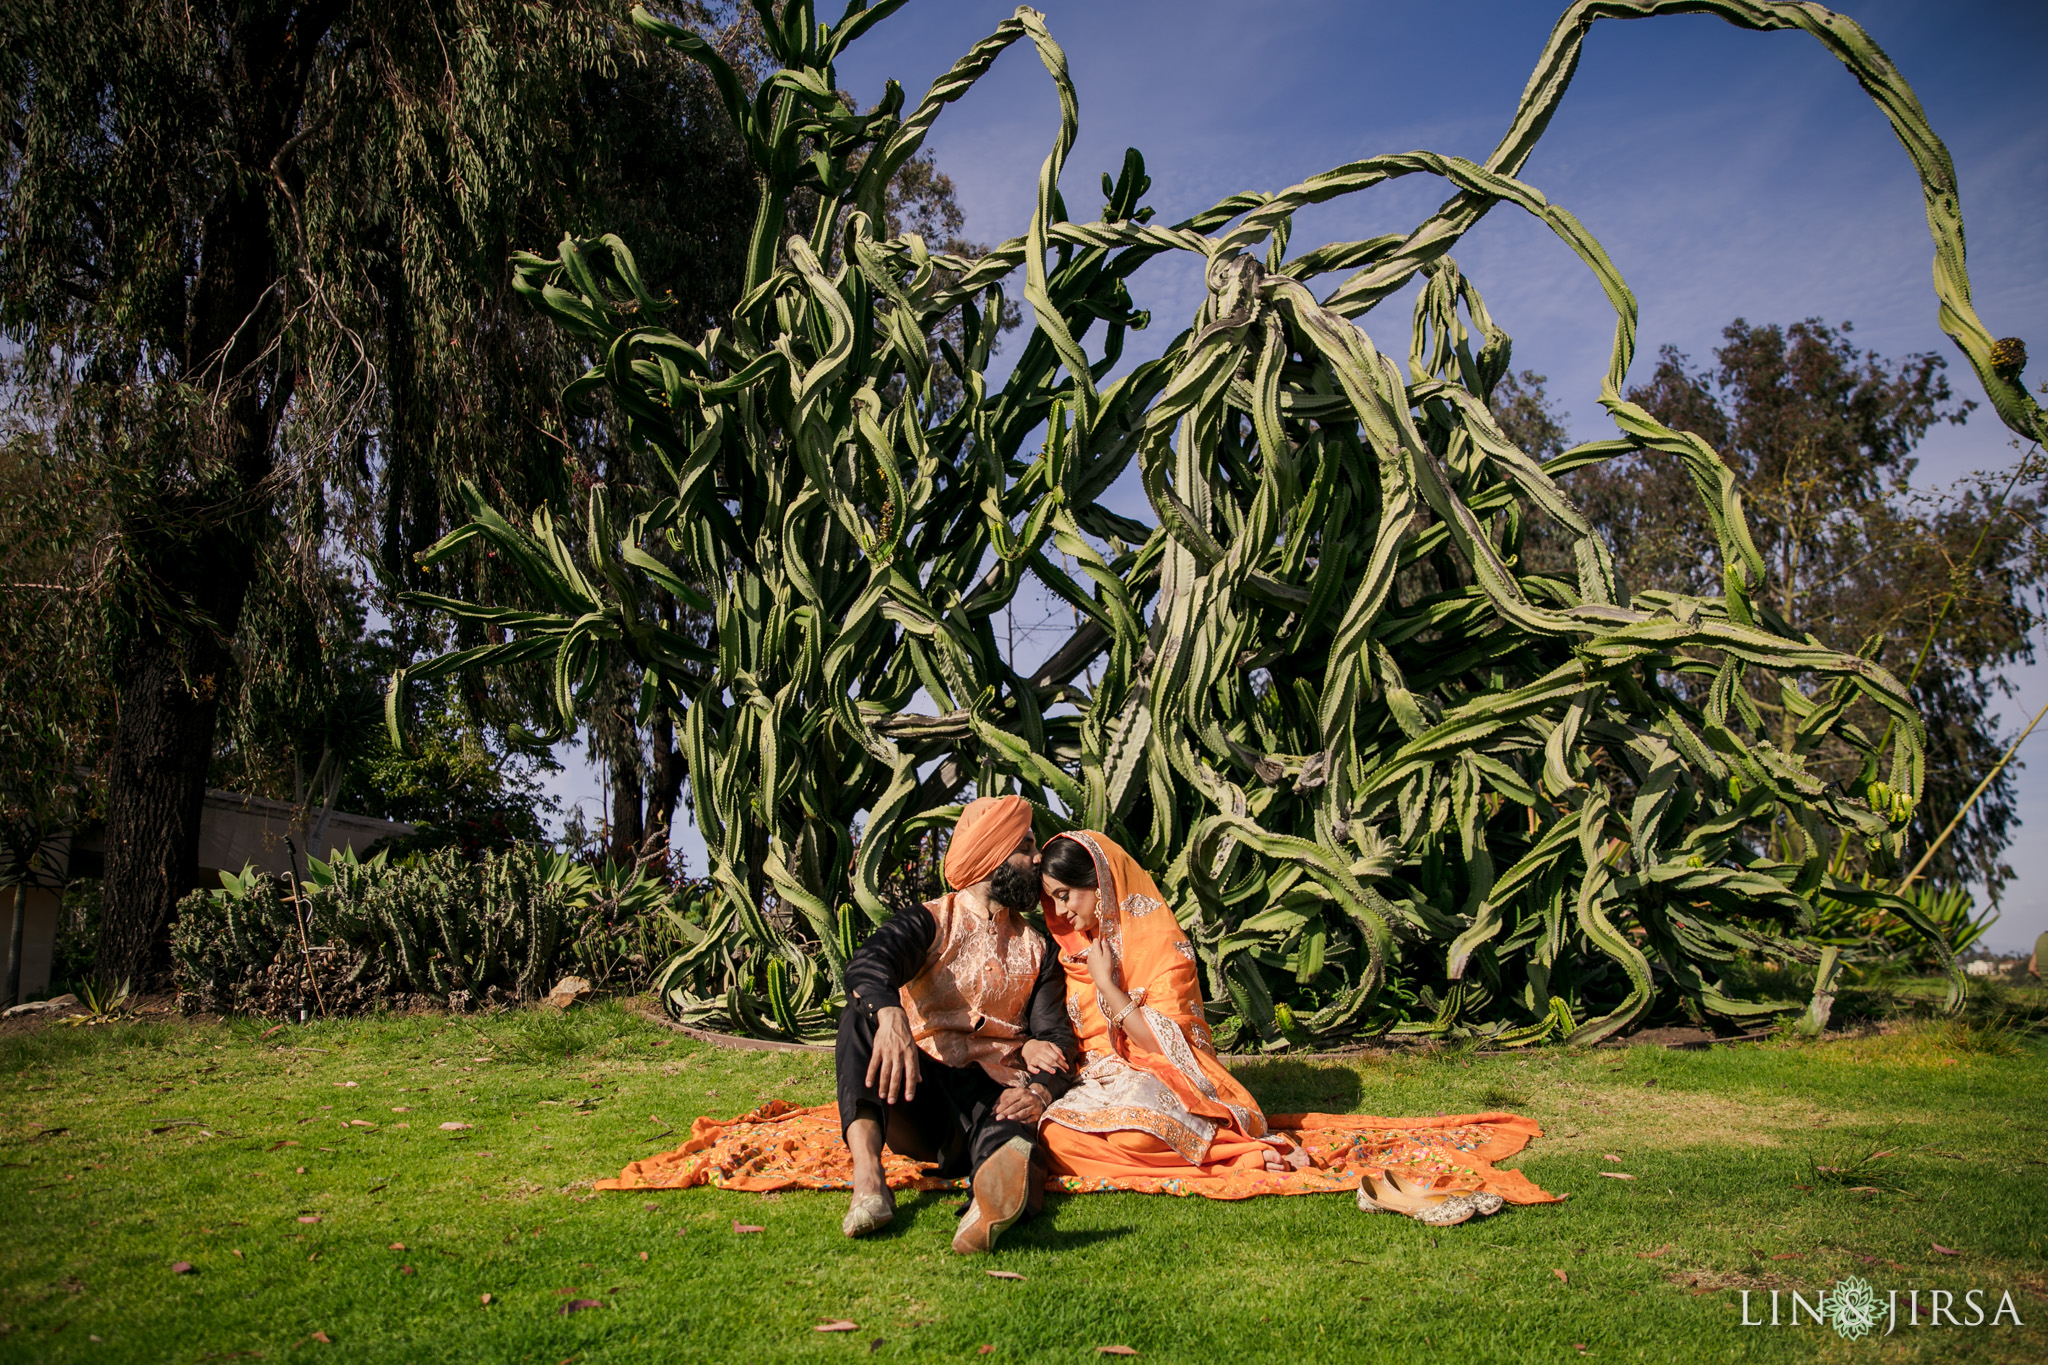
(1391,1194)
(869,1213)
(1446,1214)
(1002,1188)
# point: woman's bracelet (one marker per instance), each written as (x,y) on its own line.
(1116,1021)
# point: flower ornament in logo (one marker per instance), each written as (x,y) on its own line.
(1853,1307)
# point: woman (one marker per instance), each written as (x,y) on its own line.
(1153,1100)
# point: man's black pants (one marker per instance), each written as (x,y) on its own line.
(952,1119)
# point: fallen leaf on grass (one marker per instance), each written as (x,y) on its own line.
(1609,1156)
(1946,1251)
(877,1344)
(275,1145)
(309,1218)
(738,1226)
(323,1338)
(577,1306)
(1653,1255)
(396,1246)
(652,1208)
(487,1300)
(1004,1275)
(1789,1256)
(272,1031)
(361,1123)
(300,1171)
(1114,1351)
(344,1085)
(181,1267)
(406,1270)
(236,1254)
(985,1349)
(837,1325)
(1617,1175)
(454,1127)
(643,1255)
(1562,1276)
(401,1109)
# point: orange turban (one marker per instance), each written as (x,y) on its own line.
(988,832)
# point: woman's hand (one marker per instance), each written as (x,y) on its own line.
(1042,1056)
(1102,965)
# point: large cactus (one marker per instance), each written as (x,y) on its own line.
(1392,777)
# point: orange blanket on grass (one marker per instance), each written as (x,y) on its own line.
(782,1147)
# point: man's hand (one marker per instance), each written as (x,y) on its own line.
(1040,1055)
(892,1066)
(1019,1104)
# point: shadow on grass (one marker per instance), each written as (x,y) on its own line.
(1043,1233)
(52,1043)
(1297,1087)
(546,1035)
(913,1208)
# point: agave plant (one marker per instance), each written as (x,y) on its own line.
(1391,777)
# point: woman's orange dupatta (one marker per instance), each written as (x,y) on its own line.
(1156,966)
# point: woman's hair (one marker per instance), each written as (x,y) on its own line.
(1066,861)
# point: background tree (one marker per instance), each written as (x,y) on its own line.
(260,249)
(1943,590)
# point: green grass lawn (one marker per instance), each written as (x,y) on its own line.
(132,1146)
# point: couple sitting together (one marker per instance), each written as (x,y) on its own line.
(970,1042)
(971,1049)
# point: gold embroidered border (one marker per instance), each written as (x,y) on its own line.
(1190,1145)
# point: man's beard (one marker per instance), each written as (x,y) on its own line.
(1018,890)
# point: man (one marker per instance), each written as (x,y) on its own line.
(955,1036)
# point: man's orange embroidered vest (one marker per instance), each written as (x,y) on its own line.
(972,1000)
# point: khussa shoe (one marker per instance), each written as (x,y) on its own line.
(1392,1194)
(869,1213)
(1002,1189)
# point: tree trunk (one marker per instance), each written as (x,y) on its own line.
(627,829)
(156,788)
(191,544)
(666,791)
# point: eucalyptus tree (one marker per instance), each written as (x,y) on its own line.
(1944,586)
(1476,799)
(276,232)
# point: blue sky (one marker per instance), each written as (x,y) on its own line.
(1729,174)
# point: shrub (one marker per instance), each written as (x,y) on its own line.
(431,928)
